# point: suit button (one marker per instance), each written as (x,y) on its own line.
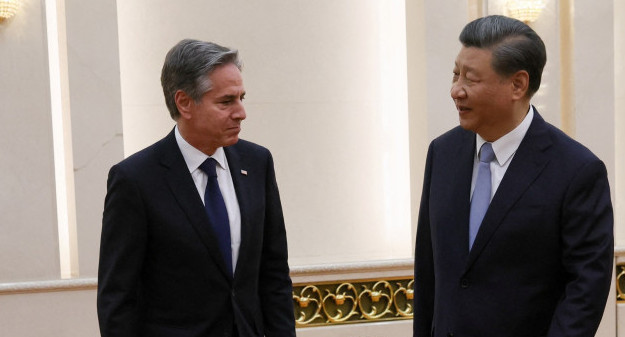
(451,334)
(234,294)
(464,283)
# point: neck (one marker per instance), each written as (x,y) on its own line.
(520,110)
(196,142)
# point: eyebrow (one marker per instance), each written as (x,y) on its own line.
(229,96)
(466,67)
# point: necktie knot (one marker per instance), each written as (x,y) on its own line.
(208,166)
(486,153)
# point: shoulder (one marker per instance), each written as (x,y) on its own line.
(245,145)
(144,160)
(568,149)
(452,140)
(247,149)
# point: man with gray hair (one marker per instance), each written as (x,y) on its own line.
(193,237)
(515,228)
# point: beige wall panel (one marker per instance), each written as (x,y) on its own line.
(385,329)
(417,102)
(95,94)
(55,314)
(594,79)
(619,116)
(620,315)
(444,20)
(28,225)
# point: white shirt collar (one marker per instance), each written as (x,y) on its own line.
(194,157)
(506,146)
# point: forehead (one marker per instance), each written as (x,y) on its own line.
(473,58)
(225,76)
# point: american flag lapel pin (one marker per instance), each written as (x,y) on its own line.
(244,172)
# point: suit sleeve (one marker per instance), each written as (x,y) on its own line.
(276,290)
(424,261)
(587,253)
(122,249)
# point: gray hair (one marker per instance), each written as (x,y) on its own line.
(515,46)
(187,67)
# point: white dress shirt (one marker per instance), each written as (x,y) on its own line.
(194,158)
(504,148)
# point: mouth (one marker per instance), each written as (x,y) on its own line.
(462,109)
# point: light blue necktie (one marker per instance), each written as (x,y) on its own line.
(481,194)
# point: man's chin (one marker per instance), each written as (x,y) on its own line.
(467,125)
(232,141)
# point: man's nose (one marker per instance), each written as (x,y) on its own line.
(240,111)
(457,91)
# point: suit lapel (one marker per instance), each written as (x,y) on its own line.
(183,188)
(462,165)
(527,164)
(241,186)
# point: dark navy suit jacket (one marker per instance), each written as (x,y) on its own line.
(161,272)
(542,260)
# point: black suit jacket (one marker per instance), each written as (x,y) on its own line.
(542,260)
(161,272)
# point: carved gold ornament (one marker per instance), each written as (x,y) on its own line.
(620,283)
(407,294)
(309,297)
(341,304)
(377,301)
(353,302)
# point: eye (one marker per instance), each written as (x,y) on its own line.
(472,79)
(456,75)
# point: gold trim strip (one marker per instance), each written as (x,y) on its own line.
(620,283)
(358,301)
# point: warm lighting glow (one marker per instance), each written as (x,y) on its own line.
(8,8)
(525,10)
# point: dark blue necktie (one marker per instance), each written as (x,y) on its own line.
(216,211)
(481,193)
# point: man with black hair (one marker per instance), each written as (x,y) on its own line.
(515,229)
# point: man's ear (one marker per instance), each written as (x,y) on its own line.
(184,103)
(520,84)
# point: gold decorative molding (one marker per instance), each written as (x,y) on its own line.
(620,283)
(619,256)
(353,301)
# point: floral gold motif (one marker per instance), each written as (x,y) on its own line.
(344,293)
(353,302)
(377,301)
(309,295)
(408,294)
(620,283)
